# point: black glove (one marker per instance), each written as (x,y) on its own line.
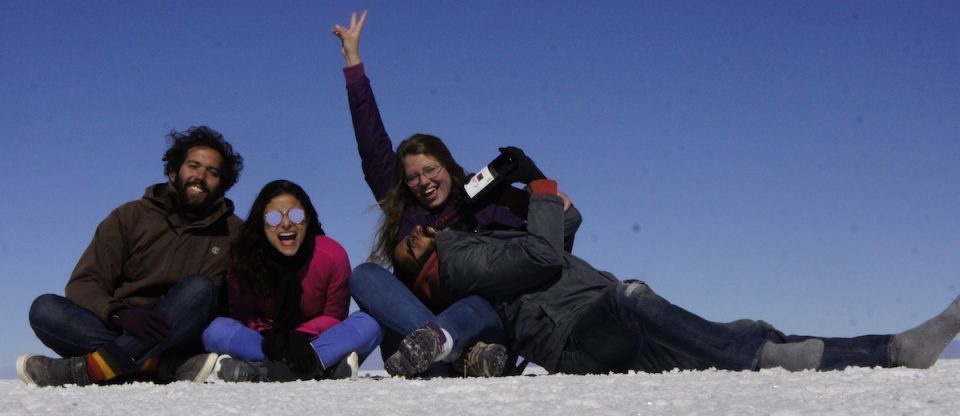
(526,170)
(143,323)
(274,343)
(300,354)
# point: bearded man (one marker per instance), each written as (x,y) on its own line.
(147,284)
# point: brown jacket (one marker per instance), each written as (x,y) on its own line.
(143,248)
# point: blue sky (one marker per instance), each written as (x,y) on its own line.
(792,161)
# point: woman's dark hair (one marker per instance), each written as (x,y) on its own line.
(400,198)
(260,268)
(182,142)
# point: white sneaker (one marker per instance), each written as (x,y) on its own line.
(196,368)
(214,376)
(347,368)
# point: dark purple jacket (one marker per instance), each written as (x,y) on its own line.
(378,160)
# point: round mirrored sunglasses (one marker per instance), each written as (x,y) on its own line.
(274,218)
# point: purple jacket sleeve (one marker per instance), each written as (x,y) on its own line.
(377,157)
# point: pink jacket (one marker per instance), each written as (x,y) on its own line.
(326,293)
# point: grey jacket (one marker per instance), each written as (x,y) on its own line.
(538,288)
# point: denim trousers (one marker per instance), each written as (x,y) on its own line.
(630,327)
(379,293)
(358,333)
(71,330)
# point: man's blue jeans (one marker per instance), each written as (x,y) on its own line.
(630,327)
(399,312)
(71,330)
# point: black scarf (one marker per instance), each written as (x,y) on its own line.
(287,289)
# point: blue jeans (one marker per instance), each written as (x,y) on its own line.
(399,312)
(630,327)
(359,333)
(71,330)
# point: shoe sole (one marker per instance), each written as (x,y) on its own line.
(22,369)
(495,361)
(208,366)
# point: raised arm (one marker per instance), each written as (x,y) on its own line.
(377,158)
(350,38)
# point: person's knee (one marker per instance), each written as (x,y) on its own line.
(217,336)
(633,288)
(365,272)
(200,288)
(367,277)
(367,327)
(199,284)
(44,309)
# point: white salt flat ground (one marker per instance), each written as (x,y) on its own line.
(770,392)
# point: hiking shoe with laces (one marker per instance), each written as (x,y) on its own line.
(347,368)
(45,371)
(482,360)
(416,352)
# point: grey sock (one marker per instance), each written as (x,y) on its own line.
(794,356)
(919,347)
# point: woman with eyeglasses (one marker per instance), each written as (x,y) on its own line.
(419,188)
(288,297)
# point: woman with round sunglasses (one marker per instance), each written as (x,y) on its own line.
(419,188)
(288,298)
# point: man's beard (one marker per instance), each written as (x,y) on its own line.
(194,207)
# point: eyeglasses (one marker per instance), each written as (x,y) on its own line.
(429,172)
(295,215)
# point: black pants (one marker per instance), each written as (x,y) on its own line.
(630,327)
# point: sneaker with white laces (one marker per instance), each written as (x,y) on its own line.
(482,360)
(45,371)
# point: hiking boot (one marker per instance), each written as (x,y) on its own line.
(416,352)
(482,360)
(232,370)
(45,371)
(347,368)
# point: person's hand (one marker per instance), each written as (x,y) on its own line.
(300,354)
(143,323)
(350,38)
(566,201)
(274,344)
(526,170)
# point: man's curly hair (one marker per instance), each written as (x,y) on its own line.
(182,142)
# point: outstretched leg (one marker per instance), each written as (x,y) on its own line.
(629,318)
(919,347)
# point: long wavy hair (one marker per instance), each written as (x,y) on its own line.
(400,198)
(260,268)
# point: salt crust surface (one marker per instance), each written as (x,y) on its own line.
(769,392)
